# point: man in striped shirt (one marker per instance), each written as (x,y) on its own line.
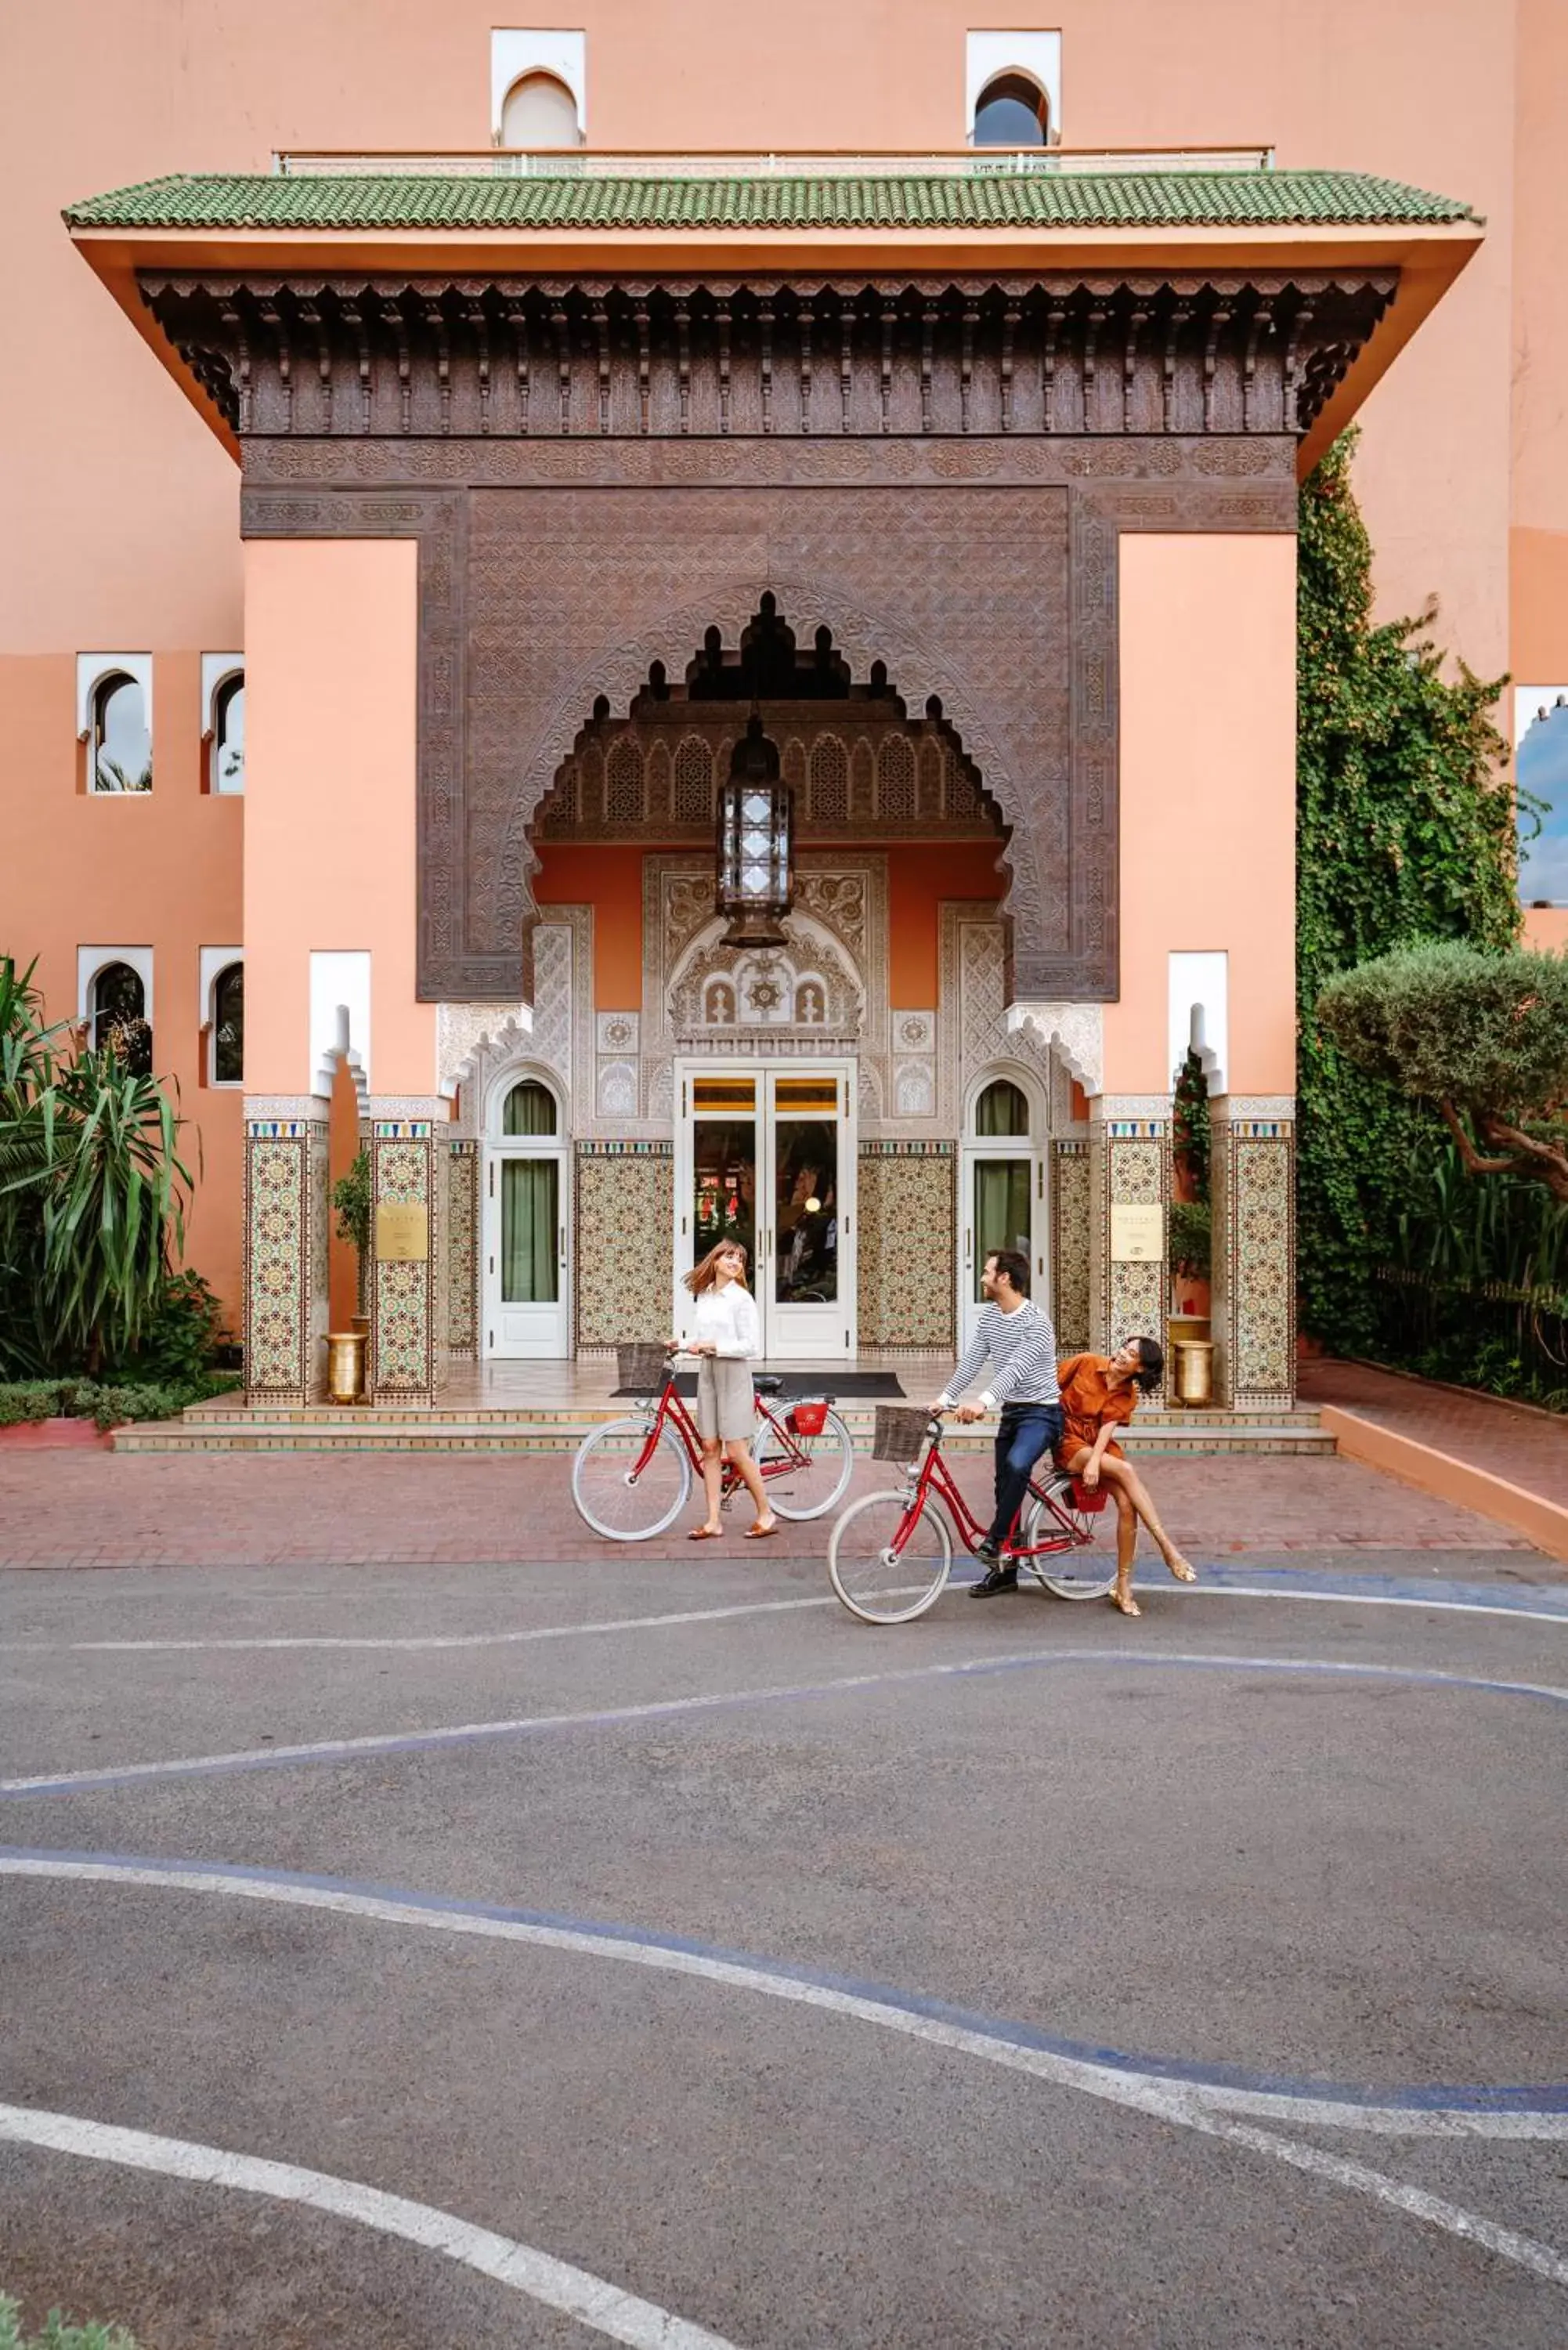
(1020,1345)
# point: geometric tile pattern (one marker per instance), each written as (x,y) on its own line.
(409,1164)
(1129,1147)
(1072,1205)
(906,1247)
(462,1249)
(1253,1306)
(285,1243)
(624,1228)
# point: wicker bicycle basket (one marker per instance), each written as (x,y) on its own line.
(900,1431)
(643,1367)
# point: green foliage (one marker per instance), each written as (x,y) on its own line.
(351,1198)
(1405,832)
(1190,1133)
(109,1405)
(1505,1231)
(59,2333)
(1482,1036)
(1188,1238)
(92,1192)
(180,1337)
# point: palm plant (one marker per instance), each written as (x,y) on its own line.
(93,1192)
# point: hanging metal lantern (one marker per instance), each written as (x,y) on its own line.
(754,883)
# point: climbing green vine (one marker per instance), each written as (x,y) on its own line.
(1405,830)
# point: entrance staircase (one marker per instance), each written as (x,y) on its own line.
(518,1426)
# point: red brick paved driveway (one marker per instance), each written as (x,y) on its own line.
(106,1510)
(1528,1448)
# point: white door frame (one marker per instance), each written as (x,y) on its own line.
(789,1333)
(1034,1147)
(525,1332)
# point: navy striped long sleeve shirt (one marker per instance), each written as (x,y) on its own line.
(1021,1348)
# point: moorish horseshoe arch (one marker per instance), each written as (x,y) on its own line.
(619,670)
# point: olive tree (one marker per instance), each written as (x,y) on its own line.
(1483,1037)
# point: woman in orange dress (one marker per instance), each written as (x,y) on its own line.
(1100,1394)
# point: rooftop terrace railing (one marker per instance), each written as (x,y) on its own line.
(583,163)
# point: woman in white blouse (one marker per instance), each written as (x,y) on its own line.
(728,1335)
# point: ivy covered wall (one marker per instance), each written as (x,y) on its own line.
(1405,830)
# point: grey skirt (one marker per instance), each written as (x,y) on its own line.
(724,1405)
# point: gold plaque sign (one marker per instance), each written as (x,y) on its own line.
(402,1231)
(1137,1233)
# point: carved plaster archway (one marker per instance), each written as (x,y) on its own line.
(618,671)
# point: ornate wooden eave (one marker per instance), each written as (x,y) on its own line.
(317,358)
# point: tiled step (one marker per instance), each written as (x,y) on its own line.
(356,1430)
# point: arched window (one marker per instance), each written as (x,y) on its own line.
(117,1013)
(229,736)
(1002,1108)
(530,1109)
(1012,111)
(228,1026)
(122,738)
(540,111)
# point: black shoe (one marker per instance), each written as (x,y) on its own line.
(986,1550)
(1001,1578)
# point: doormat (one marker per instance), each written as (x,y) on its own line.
(854,1387)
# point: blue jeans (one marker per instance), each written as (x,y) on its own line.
(1027,1429)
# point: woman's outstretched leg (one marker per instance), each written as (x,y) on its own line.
(1124,1478)
(712,1484)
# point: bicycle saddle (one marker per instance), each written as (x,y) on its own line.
(766,1382)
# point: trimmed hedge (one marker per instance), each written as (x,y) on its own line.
(108,1406)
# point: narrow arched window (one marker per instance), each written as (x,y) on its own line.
(530,1109)
(1001,1110)
(540,111)
(1012,111)
(229,736)
(117,1013)
(121,739)
(228,1026)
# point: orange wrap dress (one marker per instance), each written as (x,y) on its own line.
(1088,1401)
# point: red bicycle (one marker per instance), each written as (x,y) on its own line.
(892,1552)
(632,1477)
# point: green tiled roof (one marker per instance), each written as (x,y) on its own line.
(1044,200)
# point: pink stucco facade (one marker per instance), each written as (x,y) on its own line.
(121,504)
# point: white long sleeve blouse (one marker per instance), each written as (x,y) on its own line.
(727,1319)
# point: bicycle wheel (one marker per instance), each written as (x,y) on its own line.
(1087,1571)
(876,1581)
(614,1497)
(810,1487)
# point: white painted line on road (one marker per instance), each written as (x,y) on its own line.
(620,2316)
(412,1742)
(412,1642)
(424,1640)
(1185,2105)
(737,1974)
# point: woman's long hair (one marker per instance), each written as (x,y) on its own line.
(702,1276)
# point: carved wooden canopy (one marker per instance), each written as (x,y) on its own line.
(936,472)
(562,358)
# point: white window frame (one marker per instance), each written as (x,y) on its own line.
(545,1331)
(91,961)
(215,961)
(1033,1150)
(94,669)
(515,53)
(1198,1000)
(1036,55)
(218,669)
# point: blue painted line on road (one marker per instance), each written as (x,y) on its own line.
(1419,2098)
(1528,1598)
(368,1748)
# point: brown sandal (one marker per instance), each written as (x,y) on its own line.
(759,1533)
(705,1534)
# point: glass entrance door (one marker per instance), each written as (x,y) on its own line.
(766,1157)
(525,1229)
(1002,1196)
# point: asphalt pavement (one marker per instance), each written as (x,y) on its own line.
(644,1950)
